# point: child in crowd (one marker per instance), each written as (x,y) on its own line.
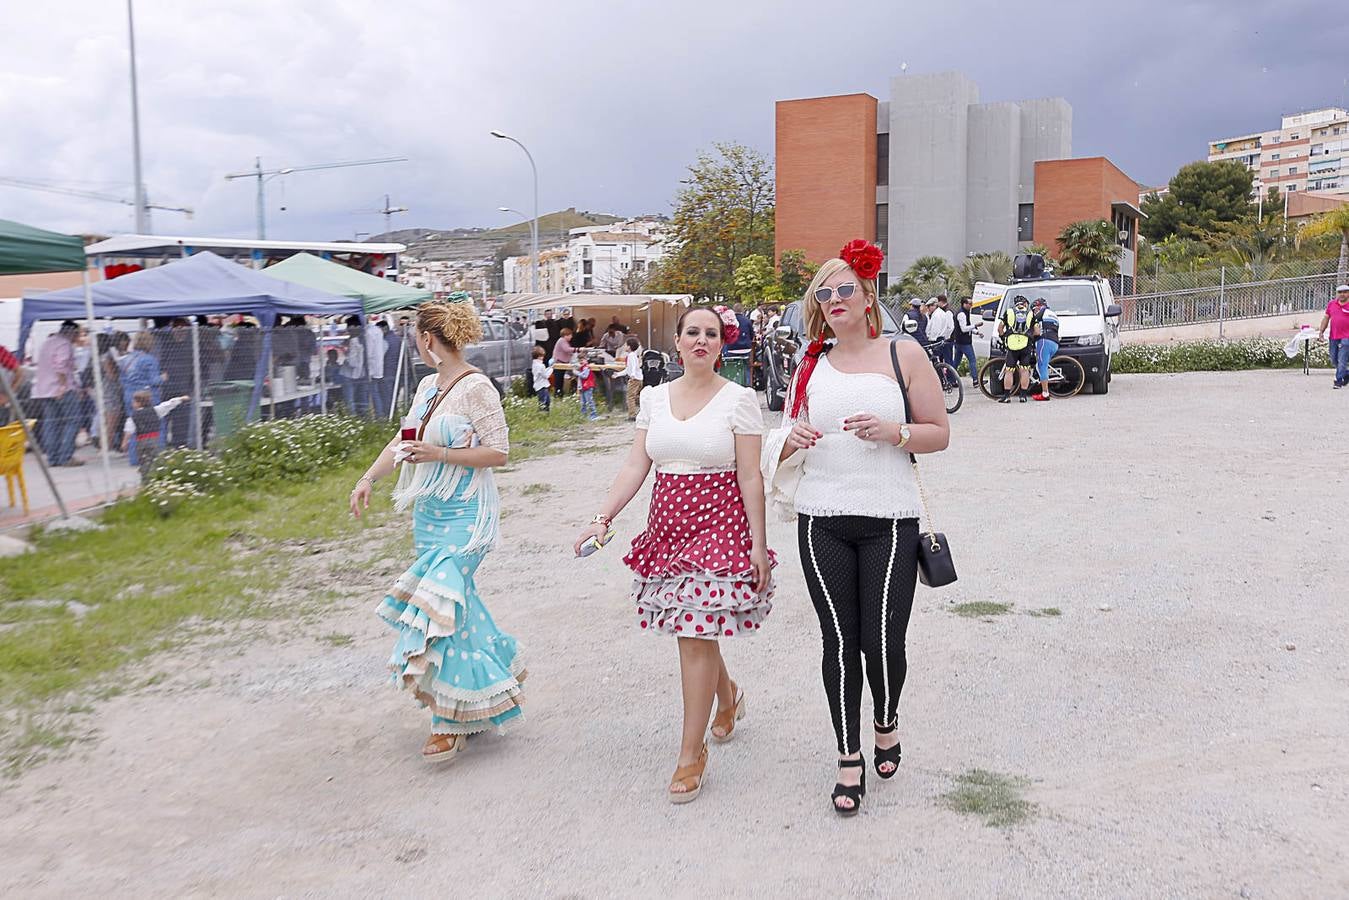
(540,376)
(585,380)
(143,426)
(633,373)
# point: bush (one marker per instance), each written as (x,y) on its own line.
(1212,356)
(180,475)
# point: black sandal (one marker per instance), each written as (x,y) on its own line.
(891,755)
(854,792)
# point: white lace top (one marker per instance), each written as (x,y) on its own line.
(843,475)
(475,399)
(704,442)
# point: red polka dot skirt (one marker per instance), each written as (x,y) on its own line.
(692,566)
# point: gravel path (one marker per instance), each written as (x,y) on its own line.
(1182,725)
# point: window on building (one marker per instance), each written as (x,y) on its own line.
(1274,156)
(882,224)
(588,283)
(1273,173)
(1293,137)
(588,267)
(1291,188)
(1025,222)
(1318,149)
(1338,129)
(883,159)
(1292,170)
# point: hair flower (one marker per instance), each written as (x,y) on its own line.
(864,258)
(730,326)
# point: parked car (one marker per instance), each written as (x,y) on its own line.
(783,348)
(1089,320)
(503,353)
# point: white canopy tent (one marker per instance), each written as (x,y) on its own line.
(653,313)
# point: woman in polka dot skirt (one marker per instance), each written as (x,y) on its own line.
(703,571)
(449,653)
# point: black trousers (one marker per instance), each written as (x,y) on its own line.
(860,573)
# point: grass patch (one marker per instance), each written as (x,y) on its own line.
(993,797)
(338,640)
(30,738)
(1048,612)
(981,608)
(537,488)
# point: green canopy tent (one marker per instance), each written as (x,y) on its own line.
(376,294)
(25,250)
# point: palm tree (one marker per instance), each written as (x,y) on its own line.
(1089,248)
(927,276)
(1334,222)
(995,267)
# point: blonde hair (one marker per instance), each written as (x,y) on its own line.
(456,325)
(143,340)
(815,323)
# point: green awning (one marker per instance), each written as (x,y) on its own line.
(25,250)
(376,294)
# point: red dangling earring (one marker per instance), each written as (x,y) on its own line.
(716,366)
(871,326)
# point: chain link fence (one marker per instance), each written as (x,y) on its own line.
(1233,292)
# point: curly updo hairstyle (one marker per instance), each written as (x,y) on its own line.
(456,325)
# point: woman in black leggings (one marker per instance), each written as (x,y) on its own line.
(845,446)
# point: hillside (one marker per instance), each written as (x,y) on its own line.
(467,244)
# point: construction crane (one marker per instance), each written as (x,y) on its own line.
(264,176)
(30,184)
(387,212)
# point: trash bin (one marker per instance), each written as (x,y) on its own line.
(229,401)
(735,366)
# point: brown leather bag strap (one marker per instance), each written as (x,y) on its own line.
(421,430)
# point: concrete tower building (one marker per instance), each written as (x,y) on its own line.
(931,171)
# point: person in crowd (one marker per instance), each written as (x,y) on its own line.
(702,568)
(1047,342)
(143,427)
(374,363)
(845,442)
(585,386)
(175,359)
(615,323)
(566,322)
(449,653)
(563,354)
(540,375)
(585,334)
(306,348)
(355,392)
(941,325)
(111,372)
(1018,332)
(919,320)
(332,377)
(12,372)
(1337,318)
(546,333)
(84,375)
(632,375)
(141,372)
(962,339)
(613,340)
(245,347)
(393,348)
(56,390)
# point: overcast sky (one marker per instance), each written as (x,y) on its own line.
(614,99)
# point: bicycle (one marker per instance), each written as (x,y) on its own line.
(952,390)
(1066,377)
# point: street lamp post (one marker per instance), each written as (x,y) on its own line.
(142,212)
(534,284)
(534,225)
(264,176)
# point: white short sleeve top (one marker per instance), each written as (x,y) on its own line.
(704,442)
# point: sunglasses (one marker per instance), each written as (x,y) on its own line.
(844,291)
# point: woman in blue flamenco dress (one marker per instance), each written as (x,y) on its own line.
(449,652)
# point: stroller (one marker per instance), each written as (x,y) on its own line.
(655,367)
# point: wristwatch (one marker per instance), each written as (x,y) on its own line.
(904,435)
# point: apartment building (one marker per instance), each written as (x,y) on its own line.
(1309,151)
(552,272)
(601,258)
(930,171)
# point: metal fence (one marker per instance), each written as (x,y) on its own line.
(1238,298)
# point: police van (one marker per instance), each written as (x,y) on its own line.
(1088,315)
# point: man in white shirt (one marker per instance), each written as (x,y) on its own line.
(962,345)
(940,325)
(374,364)
(355,389)
(632,371)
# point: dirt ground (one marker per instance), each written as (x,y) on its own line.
(1181,726)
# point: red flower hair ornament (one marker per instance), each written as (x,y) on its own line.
(730,325)
(864,258)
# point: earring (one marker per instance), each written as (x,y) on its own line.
(871,326)
(716,366)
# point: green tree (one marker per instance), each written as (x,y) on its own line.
(797,272)
(723,213)
(995,267)
(1200,197)
(1335,222)
(756,281)
(1043,251)
(927,277)
(1089,248)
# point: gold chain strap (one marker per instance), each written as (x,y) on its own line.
(931,533)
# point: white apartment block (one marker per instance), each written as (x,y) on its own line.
(1307,152)
(552,273)
(601,257)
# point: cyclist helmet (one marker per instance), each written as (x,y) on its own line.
(1020,300)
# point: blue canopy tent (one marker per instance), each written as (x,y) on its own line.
(200,284)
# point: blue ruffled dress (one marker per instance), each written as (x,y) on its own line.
(449,652)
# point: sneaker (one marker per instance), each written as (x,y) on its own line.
(1040,397)
(1337,386)
(1024,398)
(1005,398)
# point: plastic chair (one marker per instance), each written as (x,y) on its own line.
(12,447)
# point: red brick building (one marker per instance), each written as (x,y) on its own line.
(1073,190)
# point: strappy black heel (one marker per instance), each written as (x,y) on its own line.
(854,792)
(887,756)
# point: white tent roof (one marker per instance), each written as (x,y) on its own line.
(165,245)
(558,301)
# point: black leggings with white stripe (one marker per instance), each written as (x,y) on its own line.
(860,572)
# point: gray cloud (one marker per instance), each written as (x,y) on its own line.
(613,99)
